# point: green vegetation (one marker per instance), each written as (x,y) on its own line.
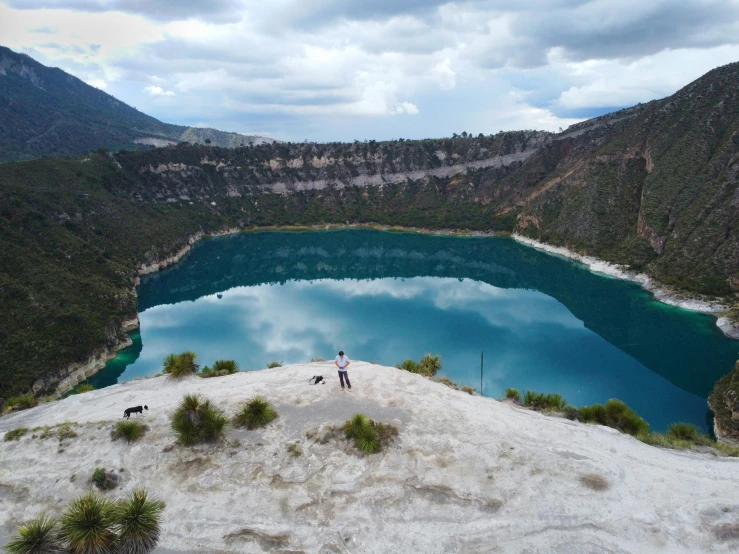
(181,365)
(539,401)
(220,368)
(82,388)
(94,525)
(468,390)
(257,412)
(130,431)
(270,365)
(38,536)
(684,432)
(724,403)
(87,525)
(65,431)
(513,394)
(615,414)
(294,449)
(23,402)
(369,436)
(136,522)
(427,366)
(15,434)
(197,420)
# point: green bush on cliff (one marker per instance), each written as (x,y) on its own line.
(38,536)
(513,394)
(181,365)
(23,402)
(428,366)
(614,414)
(220,368)
(197,420)
(257,412)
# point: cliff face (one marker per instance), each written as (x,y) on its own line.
(724,403)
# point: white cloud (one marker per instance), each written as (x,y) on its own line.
(330,70)
(98,83)
(155,90)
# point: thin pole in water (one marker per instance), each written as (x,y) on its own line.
(482,358)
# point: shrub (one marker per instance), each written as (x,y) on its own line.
(368,435)
(82,388)
(513,394)
(468,390)
(15,434)
(36,537)
(685,432)
(429,365)
(270,365)
(257,412)
(86,526)
(540,401)
(220,368)
(103,480)
(131,431)
(23,402)
(408,365)
(593,414)
(367,440)
(181,365)
(136,520)
(197,420)
(621,417)
(571,412)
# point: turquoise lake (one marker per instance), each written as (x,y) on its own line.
(543,322)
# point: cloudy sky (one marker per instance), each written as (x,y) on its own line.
(358,69)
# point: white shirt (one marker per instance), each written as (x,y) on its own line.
(342,361)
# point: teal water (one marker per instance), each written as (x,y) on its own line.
(544,323)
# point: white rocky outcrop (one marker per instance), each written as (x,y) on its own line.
(466,474)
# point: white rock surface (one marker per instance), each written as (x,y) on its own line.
(467,474)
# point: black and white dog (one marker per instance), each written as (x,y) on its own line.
(135,410)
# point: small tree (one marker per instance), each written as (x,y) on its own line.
(207,141)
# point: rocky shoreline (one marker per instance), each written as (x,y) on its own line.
(661,292)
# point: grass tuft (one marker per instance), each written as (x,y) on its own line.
(15,434)
(38,536)
(82,388)
(369,436)
(294,449)
(197,420)
(130,431)
(257,412)
(685,432)
(270,365)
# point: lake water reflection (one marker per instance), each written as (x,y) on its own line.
(544,323)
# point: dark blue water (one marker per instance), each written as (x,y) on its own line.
(544,323)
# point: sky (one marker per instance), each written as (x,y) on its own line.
(323,70)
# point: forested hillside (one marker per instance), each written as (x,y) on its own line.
(47,112)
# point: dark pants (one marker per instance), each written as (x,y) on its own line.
(344,375)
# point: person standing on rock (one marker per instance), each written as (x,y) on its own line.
(342,362)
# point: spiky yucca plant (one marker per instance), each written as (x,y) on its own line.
(367,440)
(136,520)
(197,420)
(355,426)
(86,526)
(36,537)
(180,365)
(257,412)
(226,367)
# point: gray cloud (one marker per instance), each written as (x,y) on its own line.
(162,10)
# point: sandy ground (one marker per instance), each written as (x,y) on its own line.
(466,474)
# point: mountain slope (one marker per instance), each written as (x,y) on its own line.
(45,111)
